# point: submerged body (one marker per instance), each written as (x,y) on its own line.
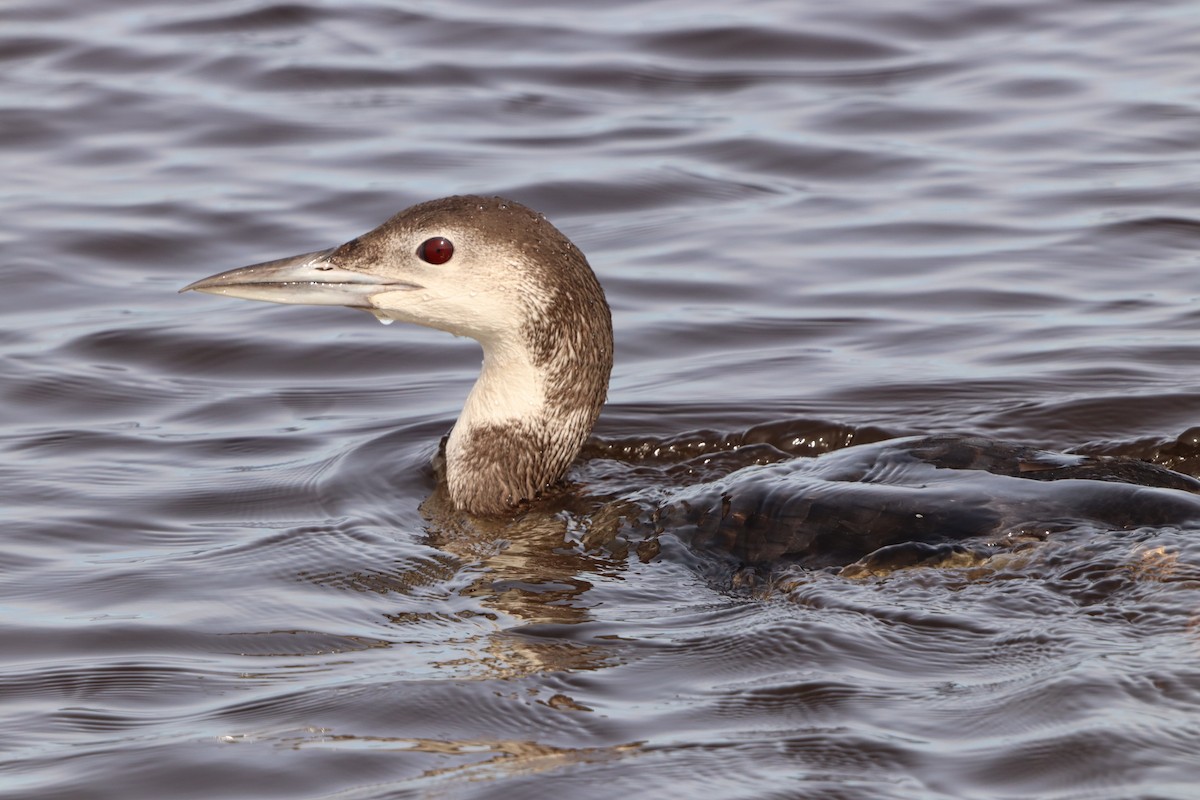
(877,499)
(498,272)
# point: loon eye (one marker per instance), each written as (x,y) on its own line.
(437,250)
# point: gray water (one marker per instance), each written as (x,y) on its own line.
(818,224)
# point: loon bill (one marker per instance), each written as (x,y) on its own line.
(496,271)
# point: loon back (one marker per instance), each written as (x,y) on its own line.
(846,505)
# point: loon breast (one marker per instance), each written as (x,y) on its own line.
(498,272)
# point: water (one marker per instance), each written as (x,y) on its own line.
(817,226)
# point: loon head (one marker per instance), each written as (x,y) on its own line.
(495,271)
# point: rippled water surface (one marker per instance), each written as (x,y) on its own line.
(818,224)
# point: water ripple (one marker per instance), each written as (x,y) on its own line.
(224,567)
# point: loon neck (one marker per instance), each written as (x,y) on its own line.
(525,420)
(535,401)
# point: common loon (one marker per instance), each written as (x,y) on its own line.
(500,273)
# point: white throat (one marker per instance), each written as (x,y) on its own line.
(510,391)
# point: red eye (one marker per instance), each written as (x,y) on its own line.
(437,250)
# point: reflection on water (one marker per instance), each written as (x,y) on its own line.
(225,569)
